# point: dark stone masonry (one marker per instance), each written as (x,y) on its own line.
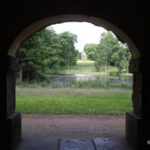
(129,20)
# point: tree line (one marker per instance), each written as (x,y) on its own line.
(44,53)
(109,52)
(47,52)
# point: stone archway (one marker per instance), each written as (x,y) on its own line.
(66,18)
(134,121)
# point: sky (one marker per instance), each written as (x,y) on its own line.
(86,32)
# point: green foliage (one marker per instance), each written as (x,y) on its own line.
(121,59)
(68,40)
(31,55)
(90,50)
(44,54)
(111,52)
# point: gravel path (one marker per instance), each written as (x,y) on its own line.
(74,126)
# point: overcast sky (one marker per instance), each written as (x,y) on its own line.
(86,32)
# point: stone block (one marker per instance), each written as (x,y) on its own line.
(138,132)
(10,131)
(76,144)
(110,144)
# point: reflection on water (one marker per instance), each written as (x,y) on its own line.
(67,79)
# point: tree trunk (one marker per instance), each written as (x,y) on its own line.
(19,78)
(105,66)
(68,64)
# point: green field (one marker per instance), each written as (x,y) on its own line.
(73,101)
(88,97)
(87,67)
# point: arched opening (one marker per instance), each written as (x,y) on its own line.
(63,18)
(37,26)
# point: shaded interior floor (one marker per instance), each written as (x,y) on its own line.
(73,144)
(50,132)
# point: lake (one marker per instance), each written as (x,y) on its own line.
(67,79)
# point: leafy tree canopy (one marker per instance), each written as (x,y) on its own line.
(110,51)
(46,53)
(90,50)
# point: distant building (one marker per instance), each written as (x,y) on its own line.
(83,56)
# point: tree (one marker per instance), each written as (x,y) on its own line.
(90,50)
(112,52)
(122,58)
(103,53)
(39,55)
(46,53)
(100,58)
(68,40)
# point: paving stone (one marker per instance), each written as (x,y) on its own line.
(73,144)
(39,144)
(109,144)
(76,144)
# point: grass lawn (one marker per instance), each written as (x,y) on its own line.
(73,101)
(82,67)
(87,67)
